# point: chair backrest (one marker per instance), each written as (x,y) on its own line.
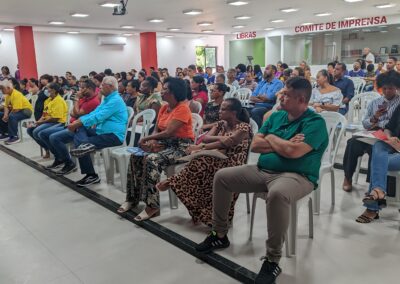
(28,96)
(131,113)
(196,106)
(359,84)
(67,95)
(360,101)
(313,82)
(197,124)
(231,90)
(70,106)
(148,116)
(243,95)
(254,126)
(336,126)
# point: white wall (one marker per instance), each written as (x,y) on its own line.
(176,51)
(80,54)
(273,49)
(8,51)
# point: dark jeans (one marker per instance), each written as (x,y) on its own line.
(355,149)
(88,135)
(11,127)
(35,131)
(257,114)
(55,138)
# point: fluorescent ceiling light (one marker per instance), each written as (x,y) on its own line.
(204,24)
(73,32)
(307,24)
(174,29)
(207,31)
(242,17)
(127,27)
(323,14)
(277,21)
(56,23)
(350,18)
(192,12)
(156,20)
(169,36)
(238,26)
(268,29)
(384,31)
(79,15)
(289,10)
(8,30)
(237,3)
(382,27)
(328,34)
(353,1)
(127,34)
(383,6)
(109,5)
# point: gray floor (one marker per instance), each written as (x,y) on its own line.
(50,234)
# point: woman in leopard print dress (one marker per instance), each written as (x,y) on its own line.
(194,184)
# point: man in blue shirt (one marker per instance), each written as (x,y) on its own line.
(264,96)
(104,127)
(209,76)
(345,85)
(357,71)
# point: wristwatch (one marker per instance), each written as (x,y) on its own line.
(203,146)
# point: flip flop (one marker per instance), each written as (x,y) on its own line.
(126,206)
(143,216)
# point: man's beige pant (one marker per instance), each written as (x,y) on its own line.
(282,188)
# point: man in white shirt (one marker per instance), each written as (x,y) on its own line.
(369,57)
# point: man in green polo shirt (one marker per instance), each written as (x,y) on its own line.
(291,143)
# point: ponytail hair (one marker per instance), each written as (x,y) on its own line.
(200,80)
(241,113)
(56,87)
(222,87)
(326,74)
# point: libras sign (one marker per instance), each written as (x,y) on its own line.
(339,25)
(247,35)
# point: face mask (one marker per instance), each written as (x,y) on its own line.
(46,93)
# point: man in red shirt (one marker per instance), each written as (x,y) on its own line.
(57,137)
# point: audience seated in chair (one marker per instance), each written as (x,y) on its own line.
(325,97)
(249,82)
(200,92)
(231,78)
(379,111)
(211,113)
(17,108)
(172,135)
(132,93)
(104,127)
(292,143)
(345,85)
(193,185)
(43,95)
(264,96)
(357,71)
(147,98)
(56,138)
(385,157)
(55,114)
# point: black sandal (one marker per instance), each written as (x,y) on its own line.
(363,219)
(373,198)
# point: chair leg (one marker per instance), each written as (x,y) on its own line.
(293,228)
(173,200)
(357,172)
(310,219)
(248,202)
(253,212)
(397,197)
(333,186)
(110,178)
(317,198)
(123,170)
(287,245)
(21,135)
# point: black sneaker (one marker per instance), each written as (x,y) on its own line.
(55,165)
(268,273)
(212,242)
(67,169)
(4,137)
(83,150)
(88,180)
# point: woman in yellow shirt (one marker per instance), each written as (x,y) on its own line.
(16,108)
(54,113)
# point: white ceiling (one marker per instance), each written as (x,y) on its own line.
(39,12)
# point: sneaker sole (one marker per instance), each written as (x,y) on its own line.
(66,173)
(214,249)
(89,183)
(55,168)
(11,143)
(81,153)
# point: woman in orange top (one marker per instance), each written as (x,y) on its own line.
(172,135)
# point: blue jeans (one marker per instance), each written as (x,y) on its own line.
(35,131)
(343,111)
(88,135)
(384,159)
(11,127)
(58,141)
(257,114)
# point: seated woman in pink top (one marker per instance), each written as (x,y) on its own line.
(199,92)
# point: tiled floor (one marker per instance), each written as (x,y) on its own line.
(50,234)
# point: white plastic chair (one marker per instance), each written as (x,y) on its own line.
(359,84)
(105,152)
(28,120)
(196,106)
(243,95)
(197,124)
(358,108)
(121,155)
(67,95)
(70,106)
(332,120)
